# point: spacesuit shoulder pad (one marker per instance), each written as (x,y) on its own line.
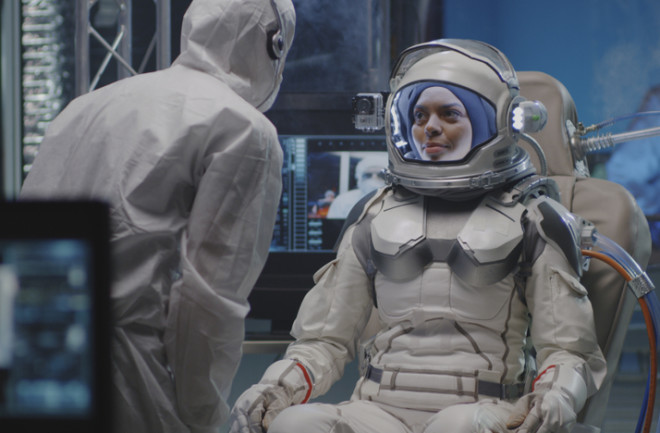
(359,210)
(559,228)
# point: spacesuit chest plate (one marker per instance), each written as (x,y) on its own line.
(479,240)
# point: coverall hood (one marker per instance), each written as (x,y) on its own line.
(219,37)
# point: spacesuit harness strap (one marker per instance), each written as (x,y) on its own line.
(481,386)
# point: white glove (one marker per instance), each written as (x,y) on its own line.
(553,405)
(543,412)
(256,408)
(284,384)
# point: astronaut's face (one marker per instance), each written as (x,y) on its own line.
(437,122)
(441,128)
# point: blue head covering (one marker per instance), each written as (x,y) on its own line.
(481,113)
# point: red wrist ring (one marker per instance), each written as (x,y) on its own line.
(309,383)
(541,374)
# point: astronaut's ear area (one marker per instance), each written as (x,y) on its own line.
(527,116)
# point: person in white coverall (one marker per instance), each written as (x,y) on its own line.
(192,171)
(457,254)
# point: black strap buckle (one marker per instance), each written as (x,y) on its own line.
(501,391)
(373,373)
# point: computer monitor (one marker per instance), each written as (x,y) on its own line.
(54,317)
(321,178)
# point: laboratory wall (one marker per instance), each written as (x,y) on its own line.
(607,53)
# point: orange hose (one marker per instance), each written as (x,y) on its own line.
(610,261)
(650,330)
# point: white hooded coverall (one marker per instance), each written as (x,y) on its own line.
(192,170)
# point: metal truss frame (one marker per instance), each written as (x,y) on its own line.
(120,48)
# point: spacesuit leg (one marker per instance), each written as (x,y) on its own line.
(350,417)
(479,417)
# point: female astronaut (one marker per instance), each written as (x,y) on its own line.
(465,263)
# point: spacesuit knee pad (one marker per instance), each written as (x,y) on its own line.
(308,418)
(468,418)
(452,418)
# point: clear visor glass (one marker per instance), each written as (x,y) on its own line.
(439,122)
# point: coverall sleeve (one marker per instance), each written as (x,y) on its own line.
(563,330)
(224,248)
(331,318)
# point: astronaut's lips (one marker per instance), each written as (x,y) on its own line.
(434,148)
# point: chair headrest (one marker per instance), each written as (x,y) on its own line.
(555,137)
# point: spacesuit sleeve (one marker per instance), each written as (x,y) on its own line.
(224,248)
(331,318)
(563,330)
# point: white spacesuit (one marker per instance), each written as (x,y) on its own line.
(192,170)
(457,254)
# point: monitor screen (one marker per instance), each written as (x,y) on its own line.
(54,320)
(322,177)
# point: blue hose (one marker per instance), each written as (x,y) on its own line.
(653,303)
(604,245)
(642,412)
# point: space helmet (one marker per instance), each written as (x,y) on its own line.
(453,119)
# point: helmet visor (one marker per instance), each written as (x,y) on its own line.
(439,122)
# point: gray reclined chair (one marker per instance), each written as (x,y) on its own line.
(609,206)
